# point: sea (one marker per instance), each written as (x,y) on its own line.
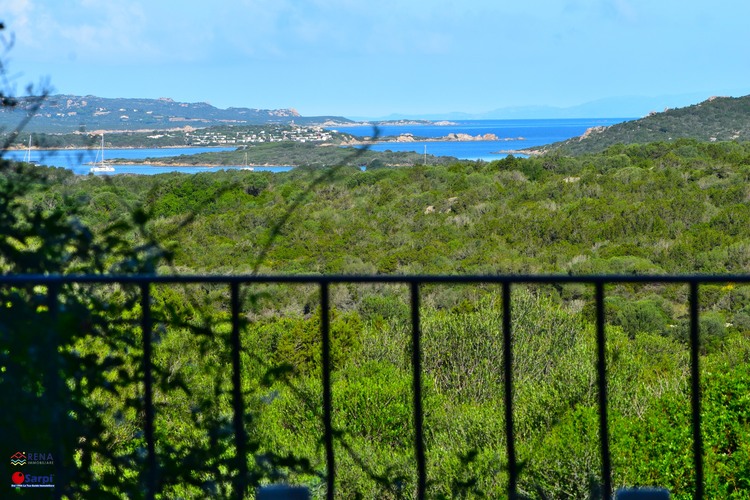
(513,135)
(80,161)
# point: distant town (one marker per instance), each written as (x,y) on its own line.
(221,136)
(240,136)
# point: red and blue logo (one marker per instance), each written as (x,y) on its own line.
(24,480)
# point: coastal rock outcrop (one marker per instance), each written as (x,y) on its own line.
(592,130)
(405,138)
(468,137)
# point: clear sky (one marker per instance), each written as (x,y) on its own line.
(368,58)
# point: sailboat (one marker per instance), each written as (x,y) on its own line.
(101,167)
(247,167)
(27,156)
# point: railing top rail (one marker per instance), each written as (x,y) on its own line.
(37,279)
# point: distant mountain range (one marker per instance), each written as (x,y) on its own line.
(715,119)
(612,107)
(68,113)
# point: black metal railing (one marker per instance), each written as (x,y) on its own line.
(234,283)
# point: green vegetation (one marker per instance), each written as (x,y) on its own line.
(62,348)
(299,154)
(715,120)
(678,207)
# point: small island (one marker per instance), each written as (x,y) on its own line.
(451,137)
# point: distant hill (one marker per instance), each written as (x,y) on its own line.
(68,113)
(611,107)
(715,119)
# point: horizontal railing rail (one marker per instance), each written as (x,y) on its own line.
(234,284)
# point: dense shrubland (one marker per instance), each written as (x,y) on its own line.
(655,208)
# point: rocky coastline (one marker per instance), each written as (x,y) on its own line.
(452,137)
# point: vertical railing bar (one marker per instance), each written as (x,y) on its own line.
(146,328)
(239,407)
(508,380)
(53,385)
(416,362)
(601,365)
(695,389)
(325,327)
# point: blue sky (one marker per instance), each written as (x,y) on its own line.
(358,58)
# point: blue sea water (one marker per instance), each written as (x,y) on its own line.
(79,160)
(514,135)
